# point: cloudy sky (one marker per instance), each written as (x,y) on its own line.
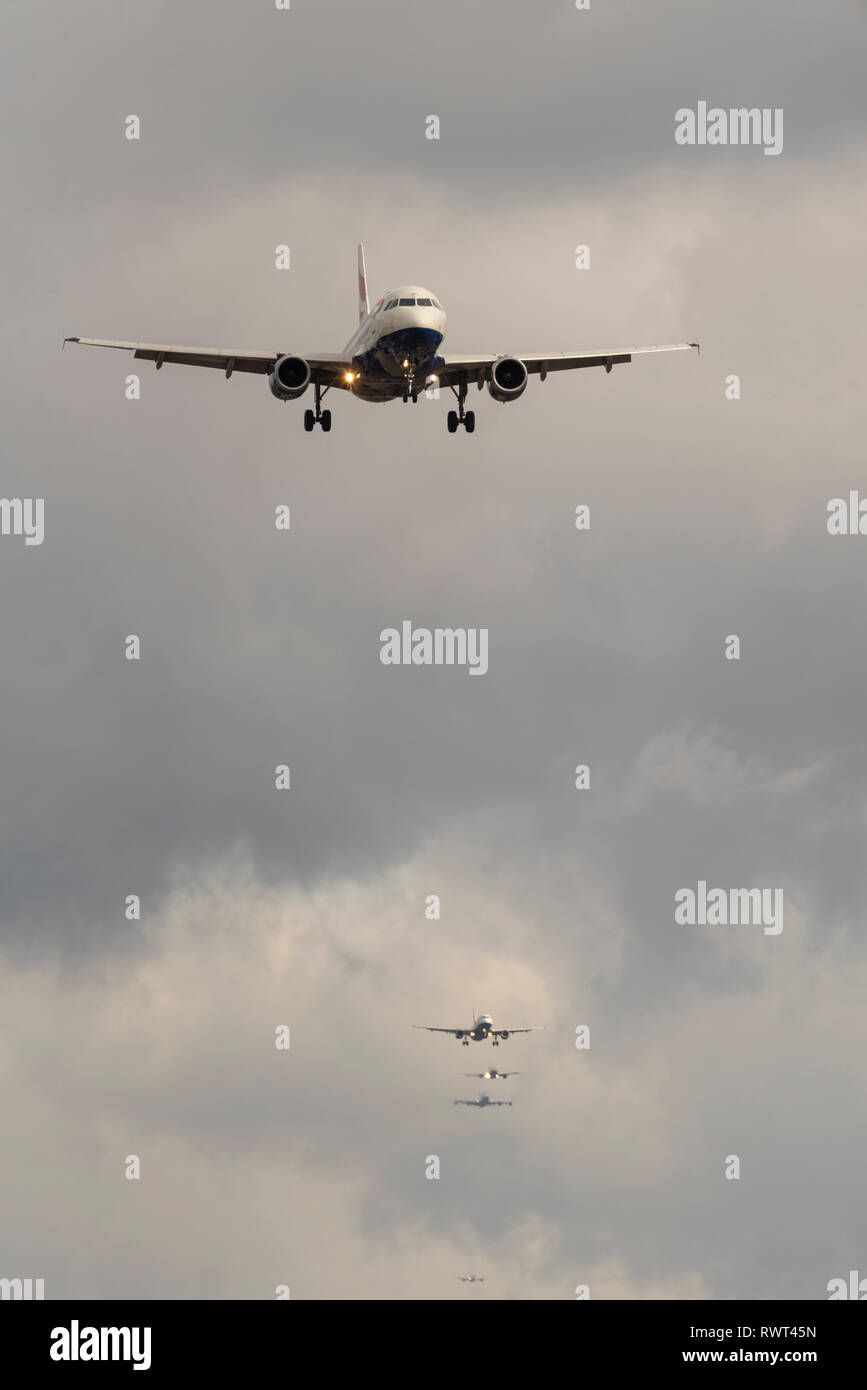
(306,907)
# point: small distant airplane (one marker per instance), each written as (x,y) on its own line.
(482,1102)
(482,1029)
(470,1278)
(393,355)
(492,1075)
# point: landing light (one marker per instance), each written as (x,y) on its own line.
(349,376)
(406,362)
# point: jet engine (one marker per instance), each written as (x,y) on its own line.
(459,1035)
(289,378)
(504,1034)
(508,379)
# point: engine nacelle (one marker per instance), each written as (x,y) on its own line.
(508,379)
(289,378)
(504,1035)
(459,1035)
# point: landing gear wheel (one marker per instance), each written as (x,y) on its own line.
(460,416)
(317,416)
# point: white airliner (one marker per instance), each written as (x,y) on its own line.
(470,1278)
(482,1029)
(483,1101)
(393,355)
(492,1075)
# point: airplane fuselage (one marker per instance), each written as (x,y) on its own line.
(396,345)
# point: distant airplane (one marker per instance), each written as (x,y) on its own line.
(470,1278)
(393,355)
(482,1028)
(483,1101)
(492,1075)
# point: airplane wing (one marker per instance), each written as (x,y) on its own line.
(476,368)
(330,366)
(454,1031)
(465,1102)
(507,1032)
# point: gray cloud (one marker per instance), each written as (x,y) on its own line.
(606,647)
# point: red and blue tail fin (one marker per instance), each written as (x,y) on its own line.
(363,300)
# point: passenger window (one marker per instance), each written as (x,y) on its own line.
(405,303)
(426,302)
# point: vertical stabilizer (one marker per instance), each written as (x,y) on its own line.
(363,301)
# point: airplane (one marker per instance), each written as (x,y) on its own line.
(482,1028)
(394,354)
(483,1101)
(492,1075)
(470,1278)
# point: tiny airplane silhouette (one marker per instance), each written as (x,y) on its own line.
(483,1101)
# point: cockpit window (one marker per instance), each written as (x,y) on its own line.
(405,303)
(392,303)
(435,303)
(427,302)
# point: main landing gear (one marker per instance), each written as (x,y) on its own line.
(317,417)
(467,418)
